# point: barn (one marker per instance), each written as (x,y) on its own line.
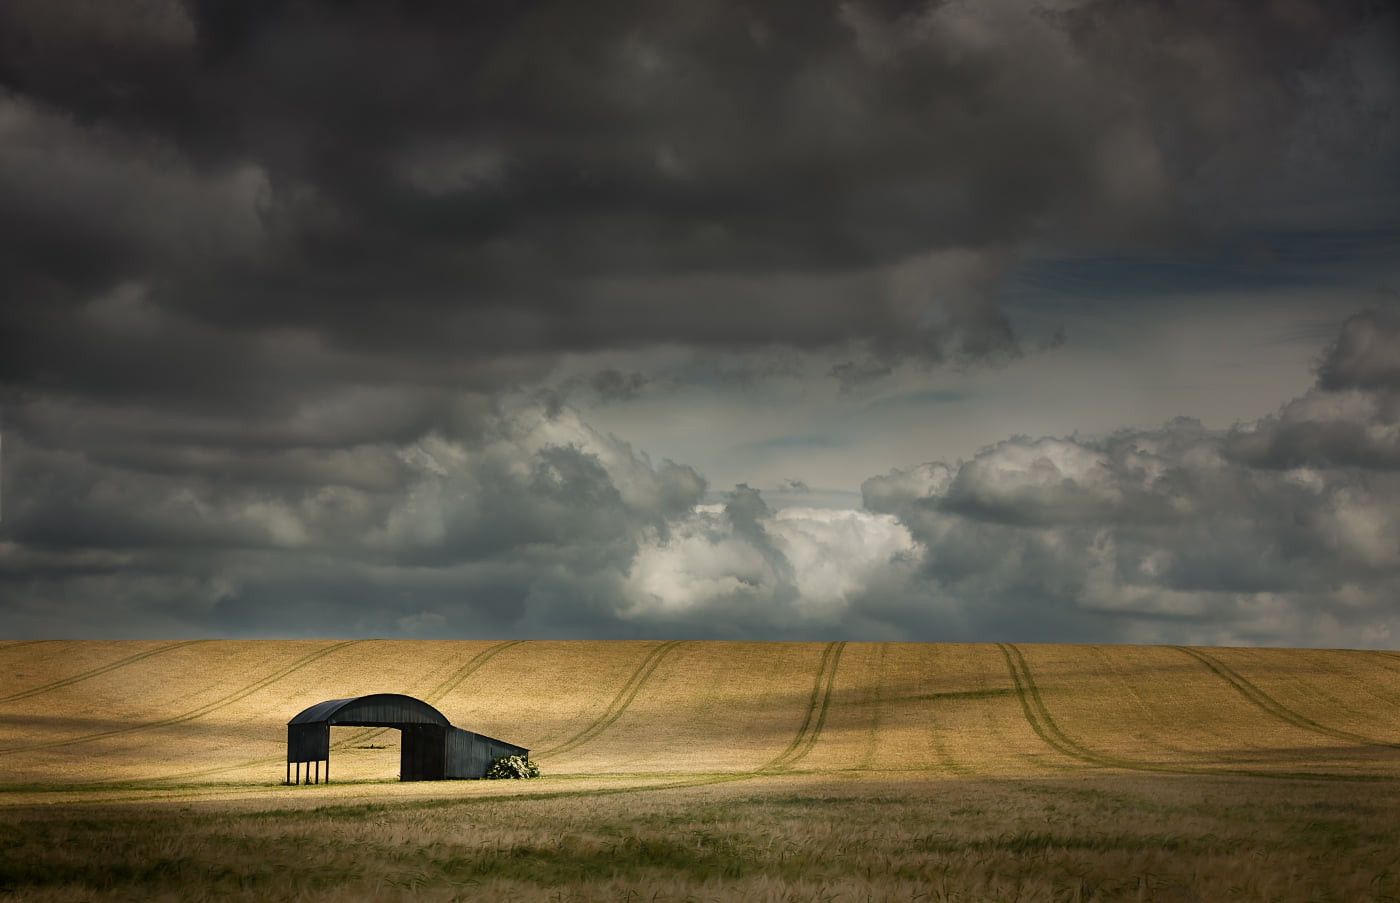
(432,749)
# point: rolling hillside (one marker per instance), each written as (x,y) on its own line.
(186,715)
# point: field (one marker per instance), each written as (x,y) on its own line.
(708,771)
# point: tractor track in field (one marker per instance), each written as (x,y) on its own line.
(1380,653)
(1267,703)
(1033,700)
(619,703)
(15,644)
(815,716)
(1038,716)
(444,687)
(94,672)
(804,741)
(1386,661)
(221,702)
(437,693)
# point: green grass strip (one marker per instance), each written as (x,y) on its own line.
(153,791)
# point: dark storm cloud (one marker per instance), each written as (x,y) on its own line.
(1284,530)
(444,178)
(1351,418)
(539,525)
(615,385)
(509,531)
(1366,355)
(1326,429)
(271,272)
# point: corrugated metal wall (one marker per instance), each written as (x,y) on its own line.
(469,755)
(464,755)
(308,742)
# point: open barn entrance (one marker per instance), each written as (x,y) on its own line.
(430,748)
(366,753)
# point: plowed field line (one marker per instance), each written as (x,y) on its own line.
(815,716)
(112,666)
(1264,701)
(447,685)
(1045,727)
(191,715)
(619,703)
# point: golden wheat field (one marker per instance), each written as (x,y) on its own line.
(707,771)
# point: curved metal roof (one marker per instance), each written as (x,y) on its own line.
(376,710)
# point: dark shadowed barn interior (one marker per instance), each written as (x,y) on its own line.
(432,749)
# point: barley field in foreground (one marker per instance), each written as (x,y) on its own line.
(707,771)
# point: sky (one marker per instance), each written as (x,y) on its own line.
(974,320)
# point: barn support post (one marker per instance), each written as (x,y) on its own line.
(289,774)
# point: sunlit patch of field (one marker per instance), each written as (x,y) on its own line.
(214,711)
(201,709)
(943,708)
(763,771)
(1167,708)
(707,707)
(1322,689)
(543,694)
